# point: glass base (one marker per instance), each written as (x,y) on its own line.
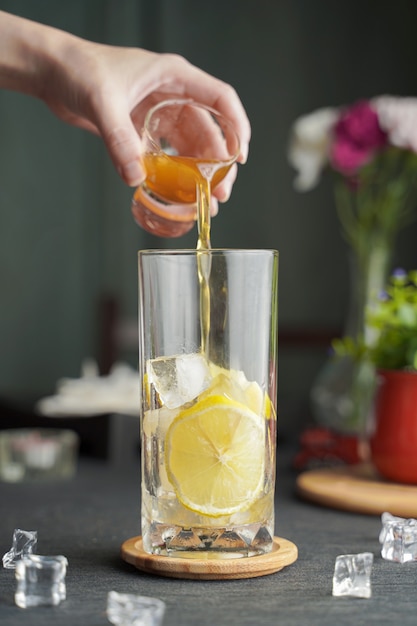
(207,542)
(159,218)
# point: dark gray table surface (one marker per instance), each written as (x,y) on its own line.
(88,517)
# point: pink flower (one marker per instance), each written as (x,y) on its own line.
(357,135)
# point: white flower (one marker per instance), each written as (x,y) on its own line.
(309,146)
(398,118)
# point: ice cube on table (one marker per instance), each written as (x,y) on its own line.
(398,538)
(40,580)
(178,379)
(124,609)
(386,519)
(23,543)
(352,575)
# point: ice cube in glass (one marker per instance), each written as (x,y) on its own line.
(178,379)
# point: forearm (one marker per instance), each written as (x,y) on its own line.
(28,52)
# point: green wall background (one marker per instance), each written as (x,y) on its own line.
(66,232)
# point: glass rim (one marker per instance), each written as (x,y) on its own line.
(45,433)
(190,101)
(195,252)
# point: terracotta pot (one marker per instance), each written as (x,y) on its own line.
(393,442)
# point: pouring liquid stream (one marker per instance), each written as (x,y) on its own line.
(203,197)
(203,194)
(187,180)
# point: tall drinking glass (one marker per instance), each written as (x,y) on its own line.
(207,362)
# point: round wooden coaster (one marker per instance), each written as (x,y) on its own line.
(283,553)
(357,489)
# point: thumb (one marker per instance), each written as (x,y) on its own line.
(124,146)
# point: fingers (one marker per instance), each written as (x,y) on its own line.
(124,146)
(224,189)
(214,206)
(183,79)
(72,118)
(160,75)
(229,104)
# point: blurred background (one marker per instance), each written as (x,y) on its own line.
(68,242)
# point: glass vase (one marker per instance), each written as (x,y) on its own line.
(342,394)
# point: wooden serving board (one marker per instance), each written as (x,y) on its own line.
(283,553)
(357,489)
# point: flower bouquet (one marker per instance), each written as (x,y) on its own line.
(371,149)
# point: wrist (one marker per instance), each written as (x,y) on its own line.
(28,53)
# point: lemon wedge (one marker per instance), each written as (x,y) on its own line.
(234,384)
(215,456)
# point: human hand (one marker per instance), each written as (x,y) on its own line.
(107,90)
(118,86)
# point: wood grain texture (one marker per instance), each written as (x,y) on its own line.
(283,553)
(357,489)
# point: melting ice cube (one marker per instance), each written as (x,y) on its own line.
(398,538)
(40,580)
(124,609)
(179,379)
(352,575)
(23,543)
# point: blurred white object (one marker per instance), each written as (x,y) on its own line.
(128,609)
(309,146)
(93,394)
(36,454)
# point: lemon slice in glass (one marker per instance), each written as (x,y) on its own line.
(215,456)
(234,384)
